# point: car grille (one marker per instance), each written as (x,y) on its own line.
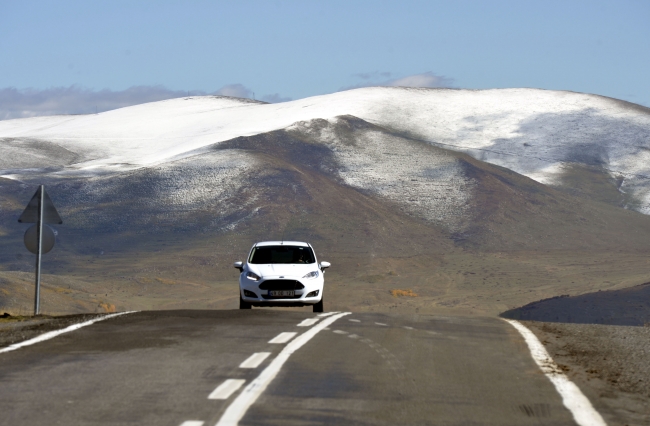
(295,296)
(281,285)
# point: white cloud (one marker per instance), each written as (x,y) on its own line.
(235,91)
(274,98)
(426,79)
(373,75)
(15,103)
(21,103)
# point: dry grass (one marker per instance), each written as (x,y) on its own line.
(13,318)
(107,307)
(403,293)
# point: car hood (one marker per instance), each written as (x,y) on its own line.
(282,269)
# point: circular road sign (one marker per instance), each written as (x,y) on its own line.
(31,239)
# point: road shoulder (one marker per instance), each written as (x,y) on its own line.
(16,329)
(608,363)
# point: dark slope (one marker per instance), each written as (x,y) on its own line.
(513,212)
(630,306)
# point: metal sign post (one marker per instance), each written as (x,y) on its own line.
(39,252)
(40,210)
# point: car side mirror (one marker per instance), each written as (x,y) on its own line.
(324,265)
(239,265)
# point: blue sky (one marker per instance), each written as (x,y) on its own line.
(96,52)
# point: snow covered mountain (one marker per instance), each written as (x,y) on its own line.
(540,134)
(420,183)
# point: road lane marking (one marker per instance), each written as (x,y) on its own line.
(192,423)
(51,334)
(408,328)
(390,359)
(340,332)
(249,395)
(583,412)
(255,360)
(227,388)
(309,322)
(283,337)
(380,323)
(326,314)
(354,320)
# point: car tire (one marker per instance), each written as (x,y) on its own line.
(318,307)
(244,305)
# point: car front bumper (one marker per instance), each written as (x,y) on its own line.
(252,293)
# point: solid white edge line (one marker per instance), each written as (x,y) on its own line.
(254,360)
(326,314)
(283,337)
(249,395)
(583,412)
(51,334)
(227,388)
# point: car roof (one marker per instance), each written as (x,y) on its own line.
(281,243)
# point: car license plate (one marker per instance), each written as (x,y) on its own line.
(281,293)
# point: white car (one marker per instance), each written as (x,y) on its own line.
(281,273)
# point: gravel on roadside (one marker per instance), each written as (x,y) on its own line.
(610,364)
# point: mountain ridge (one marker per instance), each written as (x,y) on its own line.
(540,134)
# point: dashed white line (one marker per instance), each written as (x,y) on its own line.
(249,395)
(227,388)
(255,360)
(283,337)
(353,336)
(340,332)
(408,328)
(381,323)
(51,334)
(583,412)
(354,320)
(309,322)
(192,423)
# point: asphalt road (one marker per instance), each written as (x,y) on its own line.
(160,367)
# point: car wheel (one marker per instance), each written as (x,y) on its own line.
(244,305)
(318,307)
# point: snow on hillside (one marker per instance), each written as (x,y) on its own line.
(533,132)
(172,193)
(429,183)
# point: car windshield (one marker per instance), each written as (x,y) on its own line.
(281,254)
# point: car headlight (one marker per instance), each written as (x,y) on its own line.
(252,276)
(311,275)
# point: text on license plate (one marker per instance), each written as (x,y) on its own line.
(281,293)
